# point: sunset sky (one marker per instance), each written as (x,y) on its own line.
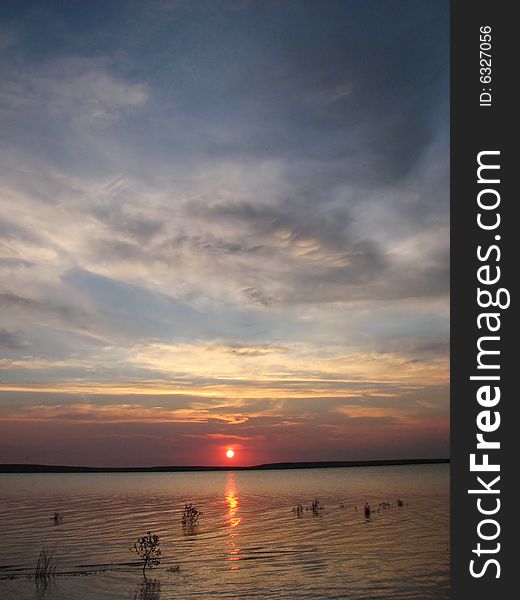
(223,225)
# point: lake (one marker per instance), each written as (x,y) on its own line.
(249,542)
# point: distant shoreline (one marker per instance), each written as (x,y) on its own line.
(31,468)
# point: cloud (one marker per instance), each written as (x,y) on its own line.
(245,214)
(119,413)
(12,340)
(35,309)
(77,89)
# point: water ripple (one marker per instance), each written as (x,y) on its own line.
(249,542)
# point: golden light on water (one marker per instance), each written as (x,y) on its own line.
(232,502)
(232,520)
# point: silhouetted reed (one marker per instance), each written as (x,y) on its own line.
(46,565)
(316,507)
(298,510)
(367,510)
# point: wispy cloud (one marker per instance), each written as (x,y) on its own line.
(245,212)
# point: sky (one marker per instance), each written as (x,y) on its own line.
(223,224)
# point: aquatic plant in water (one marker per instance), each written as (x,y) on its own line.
(57,518)
(148,550)
(190,517)
(46,565)
(316,507)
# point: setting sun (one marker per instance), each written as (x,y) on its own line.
(230,453)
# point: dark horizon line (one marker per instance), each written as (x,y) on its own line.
(329,464)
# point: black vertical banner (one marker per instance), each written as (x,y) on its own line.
(484,304)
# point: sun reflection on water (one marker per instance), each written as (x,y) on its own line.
(232,520)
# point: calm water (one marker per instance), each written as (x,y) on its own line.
(248,543)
